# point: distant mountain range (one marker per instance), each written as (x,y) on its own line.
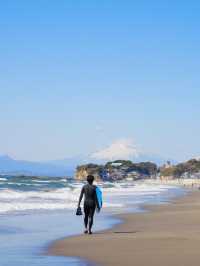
(11,166)
(63,167)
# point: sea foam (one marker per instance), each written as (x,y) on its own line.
(24,194)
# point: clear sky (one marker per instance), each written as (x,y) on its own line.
(76,76)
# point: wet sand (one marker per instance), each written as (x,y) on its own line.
(166,235)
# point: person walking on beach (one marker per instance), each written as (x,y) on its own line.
(90,203)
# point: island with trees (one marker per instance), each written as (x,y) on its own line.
(126,169)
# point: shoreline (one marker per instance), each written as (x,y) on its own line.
(138,238)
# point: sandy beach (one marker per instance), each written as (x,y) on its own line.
(164,235)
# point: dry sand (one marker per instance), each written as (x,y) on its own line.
(168,235)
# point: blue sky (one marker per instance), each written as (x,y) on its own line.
(76,76)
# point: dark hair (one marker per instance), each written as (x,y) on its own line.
(90,179)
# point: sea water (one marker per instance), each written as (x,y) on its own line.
(36,211)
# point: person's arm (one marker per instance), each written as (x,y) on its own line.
(81,196)
(96,200)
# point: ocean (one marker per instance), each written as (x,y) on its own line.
(36,211)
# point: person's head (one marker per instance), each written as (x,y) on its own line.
(90,179)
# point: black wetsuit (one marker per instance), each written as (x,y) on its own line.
(90,200)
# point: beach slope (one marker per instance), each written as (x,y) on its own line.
(167,235)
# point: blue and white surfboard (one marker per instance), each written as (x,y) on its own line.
(99,198)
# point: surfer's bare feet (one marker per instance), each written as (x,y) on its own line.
(86,231)
(90,233)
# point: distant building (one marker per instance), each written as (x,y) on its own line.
(116,164)
(167,164)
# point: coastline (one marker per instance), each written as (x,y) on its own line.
(25,232)
(156,237)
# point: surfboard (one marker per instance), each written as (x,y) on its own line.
(99,198)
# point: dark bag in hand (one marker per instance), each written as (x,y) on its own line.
(79,211)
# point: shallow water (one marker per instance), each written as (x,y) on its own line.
(24,237)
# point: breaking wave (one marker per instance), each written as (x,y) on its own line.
(27,193)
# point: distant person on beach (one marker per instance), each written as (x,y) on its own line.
(90,203)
